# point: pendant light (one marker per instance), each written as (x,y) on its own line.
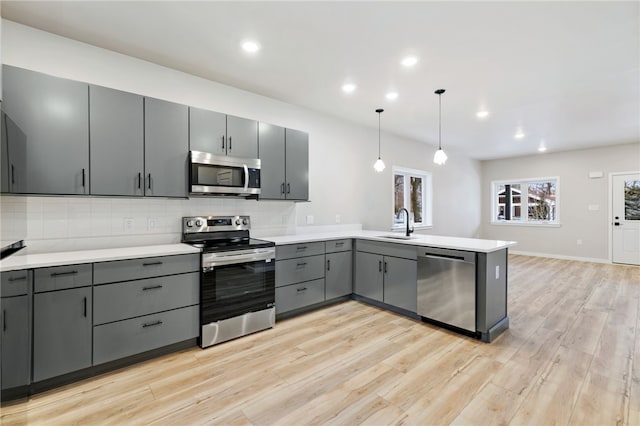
(379,166)
(440,157)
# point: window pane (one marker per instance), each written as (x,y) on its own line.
(516,192)
(542,201)
(500,205)
(416,198)
(398,196)
(632,200)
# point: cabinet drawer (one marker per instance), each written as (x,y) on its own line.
(299,295)
(296,250)
(15,283)
(292,271)
(388,249)
(148,267)
(124,338)
(62,277)
(338,245)
(114,302)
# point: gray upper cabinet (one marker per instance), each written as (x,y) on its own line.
(221,134)
(50,123)
(117,142)
(285,163)
(297,164)
(207,131)
(4,152)
(166,148)
(242,136)
(271,140)
(62,332)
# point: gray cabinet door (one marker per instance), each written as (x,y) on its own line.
(339,274)
(400,283)
(4,154)
(53,114)
(297,164)
(14,157)
(61,332)
(369,276)
(207,131)
(166,148)
(242,137)
(16,338)
(117,142)
(271,142)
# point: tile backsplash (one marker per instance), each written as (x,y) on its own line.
(80,223)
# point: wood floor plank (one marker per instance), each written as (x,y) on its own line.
(571,356)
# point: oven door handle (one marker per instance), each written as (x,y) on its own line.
(231,259)
(246,177)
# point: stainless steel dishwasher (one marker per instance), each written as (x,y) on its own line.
(447,286)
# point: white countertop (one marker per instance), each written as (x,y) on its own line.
(42,260)
(421,240)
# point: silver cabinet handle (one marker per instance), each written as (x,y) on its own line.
(246,172)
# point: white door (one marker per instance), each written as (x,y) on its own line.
(626,218)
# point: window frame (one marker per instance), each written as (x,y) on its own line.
(427,196)
(524,218)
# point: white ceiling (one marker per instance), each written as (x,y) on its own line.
(566,73)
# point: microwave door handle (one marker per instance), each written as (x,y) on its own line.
(246,177)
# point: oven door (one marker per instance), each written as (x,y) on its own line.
(211,174)
(236,283)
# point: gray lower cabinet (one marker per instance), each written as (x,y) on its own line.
(338,274)
(291,271)
(52,115)
(15,323)
(117,142)
(400,283)
(146,267)
(299,276)
(383,276)
(221,134)
(299,295)
(284,155)
(135,335)
(369,276)
(62,332)
(166,148)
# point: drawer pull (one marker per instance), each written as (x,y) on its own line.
(4,320)
(301,264)
(151,287)
(301,248)
(12,279)
(62,274)
(151,324)
(341,243)
(152,263)
(301,289)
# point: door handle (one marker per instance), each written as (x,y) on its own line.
(328,264)
(380,266)
(616,223)
(83,178)
(230,143)
(85,307)
(13,175)
(288,188)
(281,187)
(246,172)
(139,180)
(4,320)
(385,267)
(223,142)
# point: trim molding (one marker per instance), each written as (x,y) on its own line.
(560,256)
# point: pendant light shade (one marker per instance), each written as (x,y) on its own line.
(379,165)
(439,157)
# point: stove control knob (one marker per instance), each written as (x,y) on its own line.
(245,221)
(198,223)
(189,223)
(238,222)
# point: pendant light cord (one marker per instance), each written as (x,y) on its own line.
(439,120)
(378,135)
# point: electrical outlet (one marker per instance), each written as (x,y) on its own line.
(338,218)
(497,272)
(579,242)
(594,207)
(309,219)
(151,223)
(128,224)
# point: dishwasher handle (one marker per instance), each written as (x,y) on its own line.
(447,254)
(445,257)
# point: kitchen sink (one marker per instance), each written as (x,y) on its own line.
(396,237)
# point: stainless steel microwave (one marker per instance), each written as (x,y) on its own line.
(211,174)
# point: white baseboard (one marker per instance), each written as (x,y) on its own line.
(560,256)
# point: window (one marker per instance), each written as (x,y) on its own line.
(526,201)
(632,200)
(411,190)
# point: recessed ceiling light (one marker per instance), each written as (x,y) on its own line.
(392,96)
(542,148)
(250,46)
(482,114)
(409,61)
(519,134)
(348,88)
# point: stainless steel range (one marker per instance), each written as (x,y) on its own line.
(237,284)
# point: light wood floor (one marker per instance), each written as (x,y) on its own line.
(571,356)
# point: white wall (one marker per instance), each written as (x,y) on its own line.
(577,192)
(341,154)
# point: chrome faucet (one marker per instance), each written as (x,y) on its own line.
(409,231)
